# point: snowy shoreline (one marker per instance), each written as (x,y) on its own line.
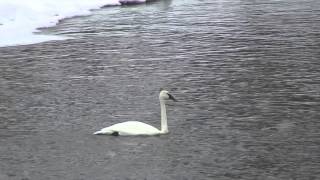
(20,20)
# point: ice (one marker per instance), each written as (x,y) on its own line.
(19,19)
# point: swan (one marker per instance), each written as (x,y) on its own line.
(134,128)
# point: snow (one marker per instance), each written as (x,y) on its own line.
(20,19)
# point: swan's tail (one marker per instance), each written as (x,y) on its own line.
(98,133)
(103,131)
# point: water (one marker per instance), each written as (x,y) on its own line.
(246,74)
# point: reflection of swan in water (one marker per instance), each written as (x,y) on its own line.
(138,128)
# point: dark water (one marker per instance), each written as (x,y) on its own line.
(246,73)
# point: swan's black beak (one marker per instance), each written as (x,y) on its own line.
(171,97)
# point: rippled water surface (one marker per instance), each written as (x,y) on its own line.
(246,74)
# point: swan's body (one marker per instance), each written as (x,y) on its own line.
(130,128)
(139,128)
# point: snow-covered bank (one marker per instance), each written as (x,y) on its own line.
(20,19)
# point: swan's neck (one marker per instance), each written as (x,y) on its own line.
(164,124)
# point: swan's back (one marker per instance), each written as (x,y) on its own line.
(130,128)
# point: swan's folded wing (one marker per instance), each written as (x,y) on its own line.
(133,128)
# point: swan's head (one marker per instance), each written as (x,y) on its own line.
(165,95)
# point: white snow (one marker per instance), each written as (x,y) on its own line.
(19,19)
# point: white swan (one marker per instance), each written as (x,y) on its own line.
(134,128)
